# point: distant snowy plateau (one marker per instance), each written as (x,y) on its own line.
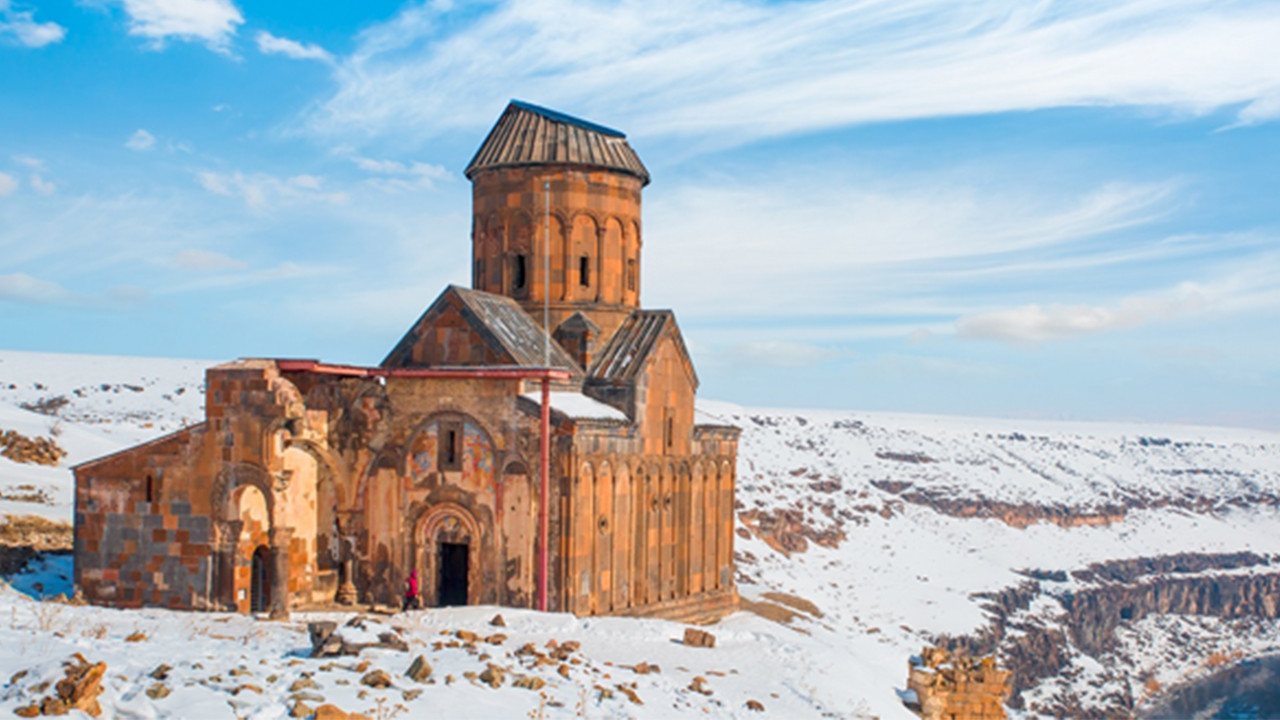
(1103,563)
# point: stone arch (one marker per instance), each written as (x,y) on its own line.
(668,539)
(446,522)
(234,475)
(683,520)
(516,503)
(653,536)
(408,456)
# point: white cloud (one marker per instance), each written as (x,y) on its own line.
(261,191)
(21,287)
(734,70)
(827,244)
(271,45)
(21,25)
(32,162)
(210,21)
(42,186)
(398,176)
(140,140)
(8,184)
(194,259)
(782,353)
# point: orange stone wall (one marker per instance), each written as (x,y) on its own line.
(594,214)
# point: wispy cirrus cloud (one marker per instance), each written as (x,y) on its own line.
(739,71)
(22,28)
(269,44)
(205,260)
(261,191)
(212,22)
(1240,287)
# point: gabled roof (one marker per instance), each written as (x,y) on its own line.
(500,321)
(624,358)
(527,134)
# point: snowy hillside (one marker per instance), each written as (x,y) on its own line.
(862,537)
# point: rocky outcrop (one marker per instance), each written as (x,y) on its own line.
(1033,648)
(786,530)
(37,451)
(951,686)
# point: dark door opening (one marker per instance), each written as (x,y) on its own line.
(453,574)
(260,580)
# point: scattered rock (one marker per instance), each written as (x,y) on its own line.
(411,695)
(161,672)
(466,636)
(755,705)
(22,449)
(419,670)
(529,682)
(300,710)
(493,676)
(30,711)
(699,685)
(18,676)
(137,636)
(333,712)
(496,639)
(645,668)
(361,666)
(239,672)
(563,670)
(247,688)
(303,684)
(376,679)
(498,621)
(631,694)
(158,691)
(699,638)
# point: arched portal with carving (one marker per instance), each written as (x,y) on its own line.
(447,541)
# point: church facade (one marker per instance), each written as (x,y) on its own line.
(530,442)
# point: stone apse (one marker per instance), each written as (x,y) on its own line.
(309,485)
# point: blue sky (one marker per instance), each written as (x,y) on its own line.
(1026,209)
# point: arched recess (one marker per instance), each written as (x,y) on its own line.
(670,492)
(653,540)
(425,461)
(519,255)
(333,487)
(724,551)
(641,497)
(602,596)
(681,537)
(580,253)
(438,532)
(623,538)
(697,519)
(631,266)
(612,254)
(711,529)
(518,515)
(580,540)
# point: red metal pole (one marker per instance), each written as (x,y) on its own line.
(545,497)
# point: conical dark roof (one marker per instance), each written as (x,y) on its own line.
(530,135)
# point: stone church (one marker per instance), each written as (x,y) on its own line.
(530,442)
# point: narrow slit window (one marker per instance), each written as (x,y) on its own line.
(631,274)
(151,489)
(520,269)
(450,450)
(584,271)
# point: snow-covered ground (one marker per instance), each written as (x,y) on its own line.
(901,520)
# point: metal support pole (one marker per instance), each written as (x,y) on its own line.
(545,495)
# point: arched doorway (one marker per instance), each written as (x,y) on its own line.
(260,580)
(448,556)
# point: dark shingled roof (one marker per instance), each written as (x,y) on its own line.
(530,135)
(502,321)
(624,358)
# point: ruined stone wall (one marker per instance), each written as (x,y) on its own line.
(595,215)
(956,687)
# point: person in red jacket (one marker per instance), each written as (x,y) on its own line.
(411,599)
